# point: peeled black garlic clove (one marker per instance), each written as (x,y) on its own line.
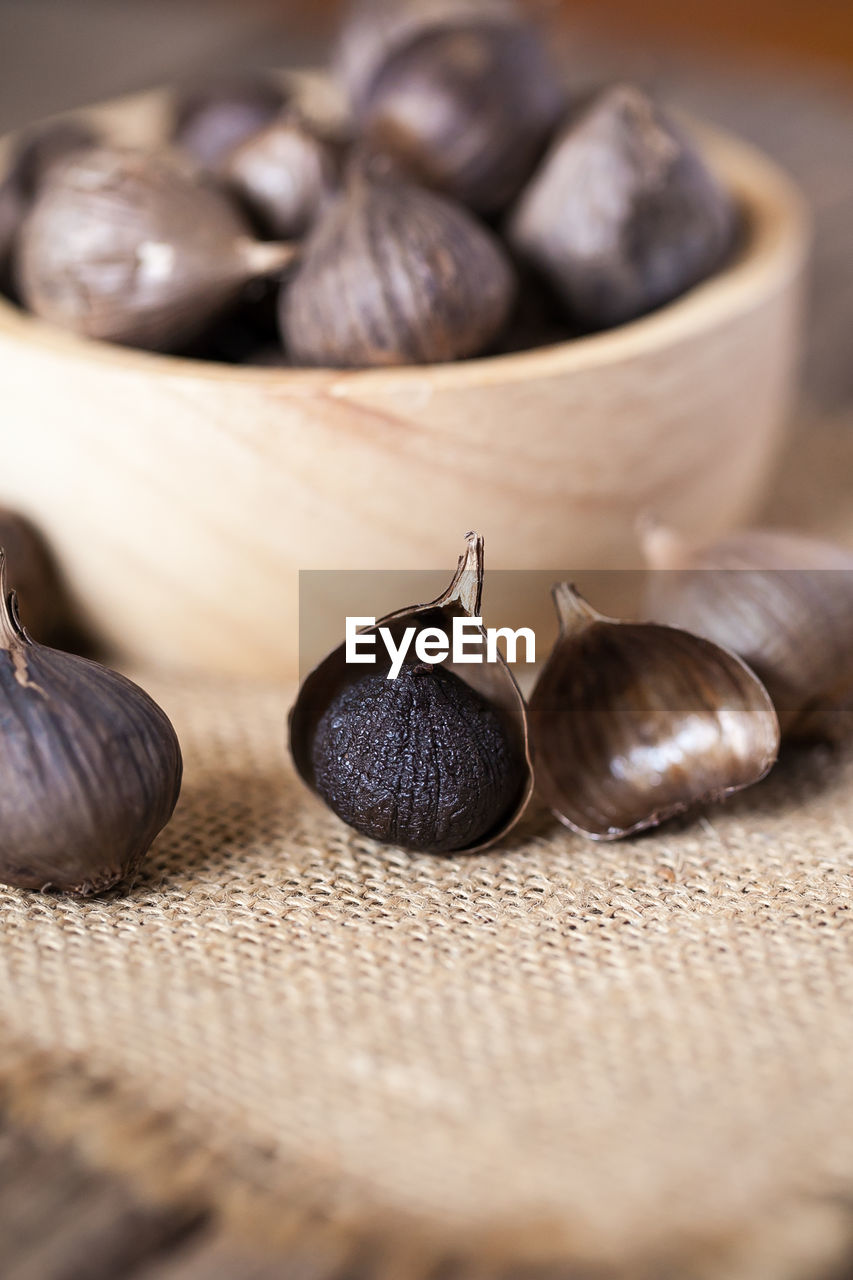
(434,760)
(374,29)
(395,275)
(467,110)
(634,723)
(134,248)
(33,575)
(90,767)
(623,214)
(781,601)
(214,117)
(283,175)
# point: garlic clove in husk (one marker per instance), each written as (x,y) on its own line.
(782,601)
(11,214)
(283,175)
(634,723)
(436,759)
(33,574)
(213,117)
(467,110)
(623,214)
(395,275)
(134,248)
(373,30)
(90,767)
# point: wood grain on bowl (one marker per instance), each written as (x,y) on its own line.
(183,498)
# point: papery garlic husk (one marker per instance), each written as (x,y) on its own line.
(436,760)
(135,248)
(33,575)
(213,117)
(633,723)
(90,767)
(622,214)
(468,111)
(782,601)
(373,30)
(283,175)
(393,275)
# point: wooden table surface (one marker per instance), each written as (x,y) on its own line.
(59,1219)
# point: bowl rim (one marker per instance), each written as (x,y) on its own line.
(774,250)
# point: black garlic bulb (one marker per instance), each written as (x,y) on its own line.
(634,723)
(374,29)
(434,757)
(780,600)
(468,111)
(32,573)
(134,248)
(395,275)
(623,214)
(90,767)
(212,118)
(283,175)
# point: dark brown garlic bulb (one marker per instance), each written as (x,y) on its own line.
(33,575)
(395,275)
(434,759)
(634,723)
(467,110)
(213,118)
(41,148)
(781,601)
(133,248)
(283,175)
(374,29)
(623,214)
(90,767)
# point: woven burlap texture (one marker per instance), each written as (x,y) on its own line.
(627,1055)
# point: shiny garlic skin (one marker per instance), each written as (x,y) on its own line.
(212,118)
(622,214)
(283,175)
(780,600)
(395,275)
(633,723)
(466,111)
(135,248)
(90,767)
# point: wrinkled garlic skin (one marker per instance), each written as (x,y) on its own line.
(422,761)
(90,769)
(783,603)
(635,723)
(467,111)
(133,248)
(283,175)
(214,118)
(394,275)
(623,214)
(372,30)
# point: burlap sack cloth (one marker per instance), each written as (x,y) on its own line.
(629,1059)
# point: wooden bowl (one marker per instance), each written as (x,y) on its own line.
(182,498)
